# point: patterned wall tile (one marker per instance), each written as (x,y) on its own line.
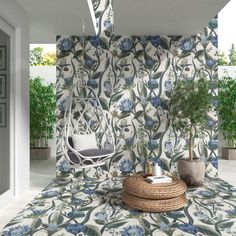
(133,77)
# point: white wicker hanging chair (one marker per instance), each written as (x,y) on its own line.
(88,117)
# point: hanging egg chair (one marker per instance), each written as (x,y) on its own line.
(88,139)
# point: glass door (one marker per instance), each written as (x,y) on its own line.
(6,154)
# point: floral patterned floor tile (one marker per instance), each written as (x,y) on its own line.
(76,206)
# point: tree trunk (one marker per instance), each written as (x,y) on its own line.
(190,145)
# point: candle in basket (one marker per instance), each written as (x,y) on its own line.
(156,169)
(147,169)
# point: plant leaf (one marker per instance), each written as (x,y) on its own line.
(205,230)
(92,230)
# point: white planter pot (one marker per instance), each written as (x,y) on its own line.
(191,172)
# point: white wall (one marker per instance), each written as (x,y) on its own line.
(226,71)
(48,73)
(12,13)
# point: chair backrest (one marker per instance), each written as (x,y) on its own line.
(87,116)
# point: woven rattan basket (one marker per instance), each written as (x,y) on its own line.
(154,205)
(136,185)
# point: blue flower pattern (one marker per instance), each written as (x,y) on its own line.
(214,41)
(65,44)
(107,24)
(188,228)
(75,228)
(76,214)
(126,44)
(155,40)
(210,62)
(101,215)
(155,101)
(187,45)
(152,144)
(153,84)
(50,193)
(149,123)
(213,24)
(62,105)
(95,41)
(52,227)
(132,230)
(92,83)
(126,166)
(17,231)
(64,167)
(126,105)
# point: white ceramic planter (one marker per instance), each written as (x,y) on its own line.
(191,171)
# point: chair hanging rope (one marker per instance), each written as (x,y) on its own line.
(88,139)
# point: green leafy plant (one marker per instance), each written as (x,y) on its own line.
(222,60)
(190,103)
(49,59)
(229,59)
(39,58)
(232,56)
(227,109)
(36,56)
(42,112)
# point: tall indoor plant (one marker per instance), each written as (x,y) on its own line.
(42,117)
(190,103)
(227,115)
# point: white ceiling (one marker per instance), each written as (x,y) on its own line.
(49,18)
(164,17)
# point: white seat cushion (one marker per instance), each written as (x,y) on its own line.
(84,141)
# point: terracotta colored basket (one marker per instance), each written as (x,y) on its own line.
(154,205)
(137,186)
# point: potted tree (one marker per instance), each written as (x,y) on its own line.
(42,117)
(189,105)
(227,115)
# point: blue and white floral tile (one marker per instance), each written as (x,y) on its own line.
(77,206)
(133,77)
